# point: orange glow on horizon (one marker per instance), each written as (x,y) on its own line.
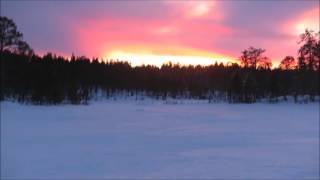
(191,36)
(138,56)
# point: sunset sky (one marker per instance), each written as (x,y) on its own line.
(153,32)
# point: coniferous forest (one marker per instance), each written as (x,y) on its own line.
(51,79)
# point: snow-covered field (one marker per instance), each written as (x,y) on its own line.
(150,139)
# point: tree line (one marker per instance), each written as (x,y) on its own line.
(52,79)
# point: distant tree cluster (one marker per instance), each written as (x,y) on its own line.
(51,79)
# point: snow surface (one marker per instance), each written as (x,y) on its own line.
(153,139)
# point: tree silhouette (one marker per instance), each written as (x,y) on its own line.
(235,92)
(245,58)
(309,51)
(11,38)
(264,63)
(252,58)
(249,88)
(288,63)
(53,79)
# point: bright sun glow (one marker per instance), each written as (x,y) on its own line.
(302,26)
(309,20)
(200,9)
(137,59)
(157,55)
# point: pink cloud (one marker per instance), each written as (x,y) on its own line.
(208,10)
(191,25)
(94,37)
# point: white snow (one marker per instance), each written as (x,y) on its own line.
(152,139)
